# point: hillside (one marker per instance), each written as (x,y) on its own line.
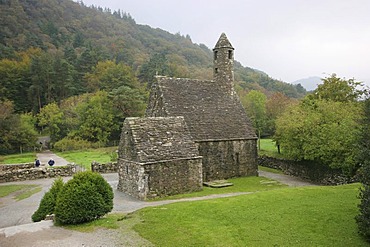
(81,36)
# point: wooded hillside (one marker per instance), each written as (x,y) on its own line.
(74,38)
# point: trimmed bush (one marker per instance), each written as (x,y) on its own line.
(48,201)
(86,197)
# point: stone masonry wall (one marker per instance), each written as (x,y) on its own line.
(307,170)
(160,179)
(227,159)
(111,167)
(21,172)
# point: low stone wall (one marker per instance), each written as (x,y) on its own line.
(21,172)
(111,167)
(307,170)
(10,168)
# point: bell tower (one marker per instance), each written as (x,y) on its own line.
(223,63)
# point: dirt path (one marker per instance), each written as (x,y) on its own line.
(16,228)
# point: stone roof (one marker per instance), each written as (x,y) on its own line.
(223,42)
(210,113)
(156,139)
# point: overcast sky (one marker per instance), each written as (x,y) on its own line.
(287,39)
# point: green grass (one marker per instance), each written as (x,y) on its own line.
(110,221)
(304,216)
(269,148)
(18,158)
(243,184)
(84,158)
(27,193)
(20,191)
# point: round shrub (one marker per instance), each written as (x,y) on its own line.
(48,201)
(86,197)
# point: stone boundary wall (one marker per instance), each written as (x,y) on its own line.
(311,171)
(8,168)
(21,172)
(111,167)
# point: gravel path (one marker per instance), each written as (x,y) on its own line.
(17,229)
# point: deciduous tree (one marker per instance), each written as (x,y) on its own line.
(255,105)
(323,131)
(51,118)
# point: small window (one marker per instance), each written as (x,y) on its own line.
(230,54)
(216,70)
(215,54)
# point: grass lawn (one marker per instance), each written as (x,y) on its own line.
(84,158)
(18,158)
(244,184)
(21,191)
(269,148)
(304,216)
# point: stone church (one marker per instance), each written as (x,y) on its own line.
(216,139)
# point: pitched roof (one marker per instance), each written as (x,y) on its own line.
(223,42)
(156,139)
(210,113)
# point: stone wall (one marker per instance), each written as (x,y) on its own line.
(160,179)
(307,170)
(10,168)
(21,172)
(111,167)
(227,159)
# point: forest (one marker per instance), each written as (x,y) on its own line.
(75,72)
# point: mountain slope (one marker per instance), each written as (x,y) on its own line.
(63,25)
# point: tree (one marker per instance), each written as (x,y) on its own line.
(131,102)
(96,118)
(42,89)
(51,118)
(255,105)
(25,134)
(363,219)
(322,131)
(107,76)
(276,105)
(15,79)
(17,131)
(337,89)
(157,65)
(325,126)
